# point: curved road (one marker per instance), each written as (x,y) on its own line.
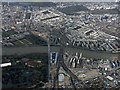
(44,49)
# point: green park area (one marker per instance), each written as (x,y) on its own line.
(26,70)
(29,40)
(8,33)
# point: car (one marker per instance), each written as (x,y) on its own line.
(87,82)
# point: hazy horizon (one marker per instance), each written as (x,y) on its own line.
(59,0)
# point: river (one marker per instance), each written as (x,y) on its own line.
(44,49)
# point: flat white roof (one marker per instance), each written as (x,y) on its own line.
(5,64)
(109,77)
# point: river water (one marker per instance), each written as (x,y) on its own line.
(44,49)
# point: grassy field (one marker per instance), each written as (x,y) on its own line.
(22,42)
(18,43)
(8,33)
(26,41)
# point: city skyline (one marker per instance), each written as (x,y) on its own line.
(60,1)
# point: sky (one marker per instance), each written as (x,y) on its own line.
(59,0)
